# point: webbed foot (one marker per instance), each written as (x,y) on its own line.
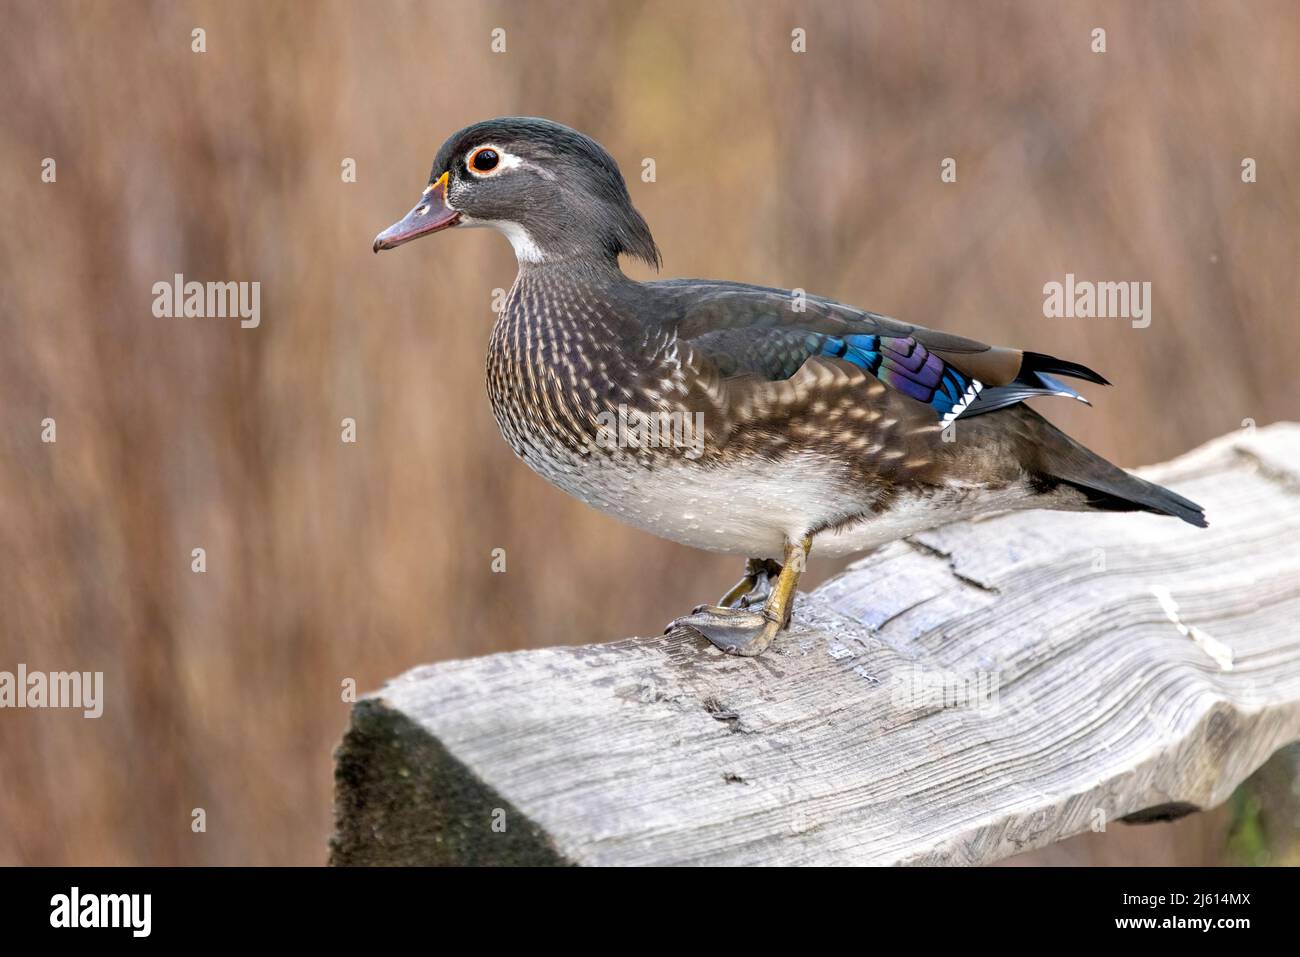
(731,625)
(733,630)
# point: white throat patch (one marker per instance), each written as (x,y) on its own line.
(526,251)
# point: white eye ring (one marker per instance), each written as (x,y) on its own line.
(505,161)
(494,169)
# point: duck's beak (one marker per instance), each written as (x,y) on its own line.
(430,215)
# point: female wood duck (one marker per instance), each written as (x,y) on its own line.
(737,418)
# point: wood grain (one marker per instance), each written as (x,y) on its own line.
(973,692)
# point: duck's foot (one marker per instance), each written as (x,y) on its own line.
(731,626)
(733,630)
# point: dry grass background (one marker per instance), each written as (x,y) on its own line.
(329,561)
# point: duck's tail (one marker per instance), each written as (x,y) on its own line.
(1060,460)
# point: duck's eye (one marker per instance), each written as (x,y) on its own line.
(484,160)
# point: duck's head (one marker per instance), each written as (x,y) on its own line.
(555,194)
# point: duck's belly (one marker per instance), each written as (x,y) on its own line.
(748,512)
(752,509)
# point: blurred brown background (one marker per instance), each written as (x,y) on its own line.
(329,561)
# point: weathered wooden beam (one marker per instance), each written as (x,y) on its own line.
(974,692)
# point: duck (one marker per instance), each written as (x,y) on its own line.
(746,420)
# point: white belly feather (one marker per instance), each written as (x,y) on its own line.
(752,510)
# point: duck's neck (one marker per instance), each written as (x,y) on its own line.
(589,299)
(597,272)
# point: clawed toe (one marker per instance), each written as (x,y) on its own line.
(732,625)
(755,588)
(716,610)
(733,630)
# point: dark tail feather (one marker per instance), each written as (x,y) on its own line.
(1032,362)
(1139,495)
(1037,377)
(1061,460)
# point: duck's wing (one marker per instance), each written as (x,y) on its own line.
(752,331)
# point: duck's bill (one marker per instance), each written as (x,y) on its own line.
(430,215)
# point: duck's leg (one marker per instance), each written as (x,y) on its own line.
(760,575)
(738,631)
